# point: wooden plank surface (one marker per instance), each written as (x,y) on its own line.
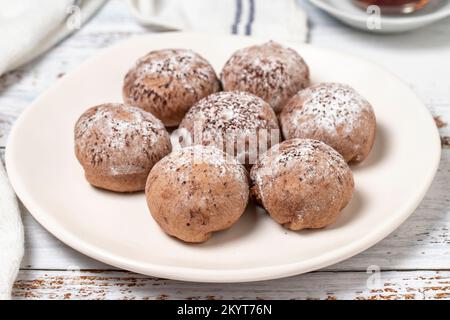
(411,257)
(316,285)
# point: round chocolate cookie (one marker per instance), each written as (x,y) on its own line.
(117,145)
(302,183)
(239,123)
(197,191)
(168,82)
(270,71)
(335,114)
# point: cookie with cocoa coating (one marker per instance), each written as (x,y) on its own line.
(197,191)
(302,183)
(335,114)
(236,122)
(168,82)
(117,145)
(271,71)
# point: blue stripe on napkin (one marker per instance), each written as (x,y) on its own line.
(237,17)
(251,18)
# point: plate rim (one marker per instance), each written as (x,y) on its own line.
(397,21)
(212,275)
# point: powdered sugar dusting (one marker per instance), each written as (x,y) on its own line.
(230,111)
(270,71)
(186,66)
(182,162)
(229,119)
(312,160)
(112,131)
(308,151)
(329,107)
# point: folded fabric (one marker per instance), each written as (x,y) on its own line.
(281,19)
(11,236)
(29,27)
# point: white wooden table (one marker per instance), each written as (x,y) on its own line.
(414,260)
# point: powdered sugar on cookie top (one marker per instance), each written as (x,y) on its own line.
(186,66)
(271,71)
(236,122)
(183,161)
(229,111)
(330,107)
(114,131)
(312,160)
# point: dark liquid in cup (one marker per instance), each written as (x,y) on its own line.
(393,6)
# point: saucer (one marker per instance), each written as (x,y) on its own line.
(351,15)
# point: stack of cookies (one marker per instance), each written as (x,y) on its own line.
(260,132)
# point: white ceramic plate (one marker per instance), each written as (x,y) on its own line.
(353,16)
(118,229)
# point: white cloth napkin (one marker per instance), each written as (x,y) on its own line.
(11,236)
(29,27)
(280,19)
